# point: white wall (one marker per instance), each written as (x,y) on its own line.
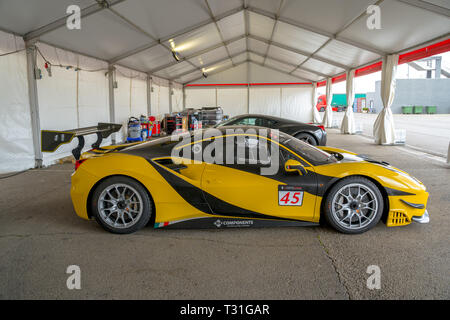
(159,97)
(71,98)
(292,102)
(16,144)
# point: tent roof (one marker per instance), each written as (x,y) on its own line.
(307,39)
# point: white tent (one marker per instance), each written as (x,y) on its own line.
(135,42)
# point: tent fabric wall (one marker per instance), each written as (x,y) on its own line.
(177,97)
(296,103)
(16,144)
(327,120)
(265,100)
(287,102)
(384,128)
(348,121)
(130,98)
(233,101)
(159,97)
(198,98)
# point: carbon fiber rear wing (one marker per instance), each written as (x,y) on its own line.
(52,140)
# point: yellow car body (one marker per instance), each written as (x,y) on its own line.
(215,195)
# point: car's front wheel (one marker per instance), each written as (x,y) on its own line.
(121,205)
(353,205)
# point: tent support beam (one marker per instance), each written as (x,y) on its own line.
(218,71)
(170,96)
(149,95)
(196,54)
(62,21)
(303,53)
(314,30)
(208,65)
(34,102)
(112,116)
(277,16)
(290,64)
(428,6)
(281,71)
(174,35)
(211,14)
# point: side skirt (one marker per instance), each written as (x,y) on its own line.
(220,223)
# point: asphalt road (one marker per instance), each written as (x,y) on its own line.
(40,236)
(430,133)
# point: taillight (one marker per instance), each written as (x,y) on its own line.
(318,125)
(78,163)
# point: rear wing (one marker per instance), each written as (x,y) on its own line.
(52,140)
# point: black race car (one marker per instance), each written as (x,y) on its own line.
(312,134)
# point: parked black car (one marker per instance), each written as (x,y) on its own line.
(312,134)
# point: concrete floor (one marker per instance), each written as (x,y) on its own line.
(428,132)
(40,235)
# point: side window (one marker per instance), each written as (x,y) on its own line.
(246,122)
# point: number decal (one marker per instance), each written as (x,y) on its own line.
(290,198)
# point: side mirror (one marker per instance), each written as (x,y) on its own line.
(294,166)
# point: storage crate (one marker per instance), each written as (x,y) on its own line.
(407,109)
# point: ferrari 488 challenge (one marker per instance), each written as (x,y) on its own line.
(127,187)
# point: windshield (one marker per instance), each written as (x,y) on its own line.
(308,152)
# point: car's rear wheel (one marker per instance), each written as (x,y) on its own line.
(353,205)
(306,137)
(121,205)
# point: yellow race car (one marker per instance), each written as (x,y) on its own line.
(126,187)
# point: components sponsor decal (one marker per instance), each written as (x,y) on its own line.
(233,223)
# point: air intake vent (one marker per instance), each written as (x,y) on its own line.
(397,218)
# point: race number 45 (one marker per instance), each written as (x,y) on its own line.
(290,196)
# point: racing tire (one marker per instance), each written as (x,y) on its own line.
(306,137)
(322,109)
(353,205)
(121,205)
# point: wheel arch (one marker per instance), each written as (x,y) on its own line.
(378,184)
(309,133)
(91,192)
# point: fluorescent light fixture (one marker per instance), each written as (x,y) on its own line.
(175,55)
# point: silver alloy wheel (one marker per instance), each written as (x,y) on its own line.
(354,206)
(120,206)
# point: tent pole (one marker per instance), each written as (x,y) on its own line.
(34,102)
(149,95)
(111,99)
(170,96)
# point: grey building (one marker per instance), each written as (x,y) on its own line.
(415,92)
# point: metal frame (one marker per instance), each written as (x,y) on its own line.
(211,14)
(428,6)
(209,65)
(34,102)
(99,6)
(174,35)
(108,4)
(277,15)
(199,53)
